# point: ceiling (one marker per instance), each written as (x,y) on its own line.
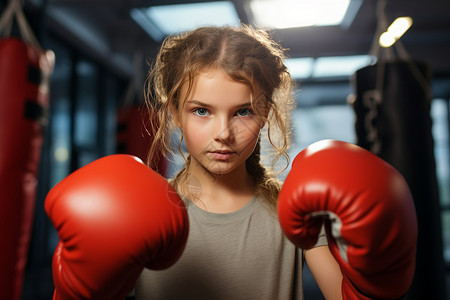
(106,31)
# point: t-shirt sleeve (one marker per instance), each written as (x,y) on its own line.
(322,240)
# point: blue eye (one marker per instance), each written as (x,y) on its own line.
(243,112)
(201,112)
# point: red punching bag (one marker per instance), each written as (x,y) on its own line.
(134,136)
(25,71)
(136,124)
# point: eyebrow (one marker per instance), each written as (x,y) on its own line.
(199,103)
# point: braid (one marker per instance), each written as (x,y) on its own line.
(265,182)
(254,168)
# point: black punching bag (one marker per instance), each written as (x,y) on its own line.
(392,107)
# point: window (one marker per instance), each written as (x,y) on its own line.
(440,122)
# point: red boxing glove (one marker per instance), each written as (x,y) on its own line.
(369,214)
(114,217)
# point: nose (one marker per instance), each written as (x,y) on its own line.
(224,130)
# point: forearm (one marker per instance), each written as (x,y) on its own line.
(326,272)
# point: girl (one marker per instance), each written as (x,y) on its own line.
(227,91)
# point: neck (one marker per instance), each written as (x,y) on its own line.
(218,192)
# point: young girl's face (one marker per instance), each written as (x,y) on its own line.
(218,123)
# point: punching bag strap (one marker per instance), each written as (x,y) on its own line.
(382,24)
(382,53)
(14,9)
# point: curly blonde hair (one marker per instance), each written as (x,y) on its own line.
(245,54)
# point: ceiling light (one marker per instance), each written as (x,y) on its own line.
(298,13)
(395,31)
(386,40)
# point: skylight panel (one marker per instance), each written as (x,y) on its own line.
(160,21)
(298,13)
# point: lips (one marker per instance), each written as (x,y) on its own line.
(222,151)
(221,154)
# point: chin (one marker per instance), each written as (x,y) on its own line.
(222,171)
(220,168)
(215,171)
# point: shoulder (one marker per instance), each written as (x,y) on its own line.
(266,205)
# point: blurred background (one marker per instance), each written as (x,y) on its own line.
(103,47)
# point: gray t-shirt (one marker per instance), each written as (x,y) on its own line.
(238,255)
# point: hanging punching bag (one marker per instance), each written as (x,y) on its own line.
(24,77)
(392,107)
(134,137)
